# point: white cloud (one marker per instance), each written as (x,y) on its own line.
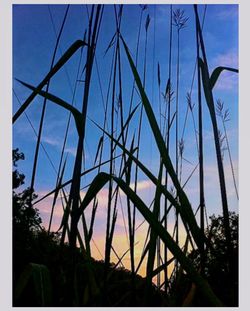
(45,205)
(142,185)
(229,59)
(227,80)
(72,151)
(57,143)
(230,13)
(51,141)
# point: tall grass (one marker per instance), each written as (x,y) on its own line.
(201,166)
(179,21)
(208,84)
(120,131)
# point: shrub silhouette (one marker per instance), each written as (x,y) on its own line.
(223,280)
(33,244)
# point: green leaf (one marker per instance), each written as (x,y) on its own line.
(216,73)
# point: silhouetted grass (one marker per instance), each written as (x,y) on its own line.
(81,279)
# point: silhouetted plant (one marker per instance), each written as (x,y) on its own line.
(217,266)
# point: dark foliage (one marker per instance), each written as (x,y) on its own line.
(220,270)
(33,244)
(25,219)
(25,216)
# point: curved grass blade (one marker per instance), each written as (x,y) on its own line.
(76,113)
(141,166)
(216,73)
(186,206)
(70,181)
(187,216)
(66,56)
(100,180)
(210,102)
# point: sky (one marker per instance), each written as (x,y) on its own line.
(34,35)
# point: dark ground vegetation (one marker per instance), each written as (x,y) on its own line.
(42,268)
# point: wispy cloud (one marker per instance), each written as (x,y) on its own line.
(231,12)
(51,141)
(57,143)
(228,80)
(142,185)
(228,59)
(102,197)
(72,151)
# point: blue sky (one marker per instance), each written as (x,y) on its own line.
(33,44)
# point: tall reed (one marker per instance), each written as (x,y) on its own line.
(208,84)
(170,193)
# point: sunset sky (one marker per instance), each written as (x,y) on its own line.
(34,37)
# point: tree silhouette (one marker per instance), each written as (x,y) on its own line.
(25,217)
(223,280)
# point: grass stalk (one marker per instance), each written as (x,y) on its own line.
(75,186)
(168,139)
(208,83)
(179,21)
(97,184)
(163,151)
(108,242)
(224,115)
(33,175)
(201,167)
(63,60)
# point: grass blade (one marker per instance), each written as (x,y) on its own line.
(75,112)
(66,56)
(186,207)
(41,282)
(210,102)
(187,215)
(98,148)
(100,180)
(216,73)
(70,181)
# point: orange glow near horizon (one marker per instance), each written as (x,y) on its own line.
(120,238)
